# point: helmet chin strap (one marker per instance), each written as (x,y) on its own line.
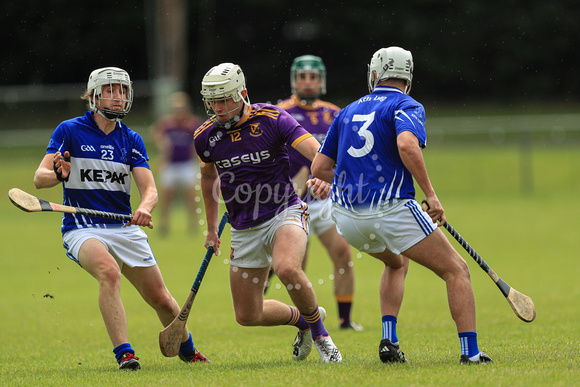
(111,115)
(231,122)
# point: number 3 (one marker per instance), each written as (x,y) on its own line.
(363,132)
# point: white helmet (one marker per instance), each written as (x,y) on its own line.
(109,76)
(221,82)
(391,62)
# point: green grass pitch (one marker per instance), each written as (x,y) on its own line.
(52,332)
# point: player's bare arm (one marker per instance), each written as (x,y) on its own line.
(299,180)
(323,167)
(210,190)
(148,191)
(412,157)
(309,149)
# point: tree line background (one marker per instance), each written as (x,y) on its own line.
(500,52)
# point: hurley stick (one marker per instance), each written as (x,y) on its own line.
(170,337)
(29,203)
(522,305)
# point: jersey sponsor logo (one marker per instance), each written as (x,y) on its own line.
(99,174)
(88,148)
(253,158)
(102,176)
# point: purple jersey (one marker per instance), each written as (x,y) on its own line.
(252,162)
(180,137)
(315,118)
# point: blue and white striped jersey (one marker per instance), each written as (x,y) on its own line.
(363,141)
(100,176)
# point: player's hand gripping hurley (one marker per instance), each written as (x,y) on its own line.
(29,203)
(522,305)
(170,337)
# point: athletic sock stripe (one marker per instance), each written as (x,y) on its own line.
(313,317)
(463,344)
(294,317)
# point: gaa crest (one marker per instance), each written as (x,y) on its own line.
(255,130)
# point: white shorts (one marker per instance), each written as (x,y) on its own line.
(252,247)
(320,216)
(177,175)
(397,227)
(127,244)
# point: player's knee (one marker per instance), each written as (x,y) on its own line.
(460,268)
(286,273)
(245,319)
(465,269)
(164,301)
(110,276)
(342,257)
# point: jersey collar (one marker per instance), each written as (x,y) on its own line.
(388,88)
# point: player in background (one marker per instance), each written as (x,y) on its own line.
(94,157)
(308,83)
(243,153)
(371,153)
(173,136)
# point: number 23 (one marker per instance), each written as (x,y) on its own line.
(107,154)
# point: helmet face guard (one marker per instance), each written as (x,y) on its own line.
(221,84)
(105,78)
(307,64)
(391,62)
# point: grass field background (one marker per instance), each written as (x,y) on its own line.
(52,332)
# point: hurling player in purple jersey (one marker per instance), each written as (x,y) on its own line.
(173,135)
(308,82)
(243,153)
(93,158)
(371,153)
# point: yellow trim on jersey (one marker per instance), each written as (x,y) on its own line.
(295,101)
(300,139)
(203,127)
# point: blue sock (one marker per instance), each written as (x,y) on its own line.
(390,328)
(468,341)
(122,349)
(187,347)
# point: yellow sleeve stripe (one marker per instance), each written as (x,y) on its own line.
(300,139)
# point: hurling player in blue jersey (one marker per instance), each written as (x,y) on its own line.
(93,157)
(308,82)
(244,156)
(371,153)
